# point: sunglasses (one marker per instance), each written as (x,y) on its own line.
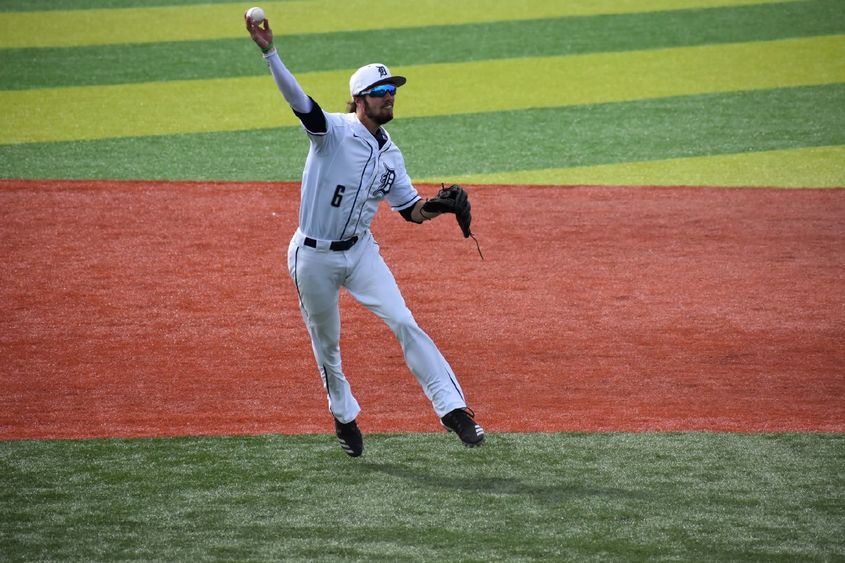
(381,91)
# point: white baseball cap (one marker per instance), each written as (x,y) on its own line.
(371,75)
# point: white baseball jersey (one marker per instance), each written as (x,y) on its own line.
(345,178)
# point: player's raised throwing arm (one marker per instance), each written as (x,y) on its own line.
(293,93)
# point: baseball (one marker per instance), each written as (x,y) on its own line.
(256,15)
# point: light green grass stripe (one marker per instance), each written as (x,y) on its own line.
(442,89)
(58,5)
(180,23)
(815,167)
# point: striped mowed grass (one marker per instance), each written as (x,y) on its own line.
(653,92)
(201,86)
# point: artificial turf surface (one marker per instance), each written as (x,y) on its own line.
(423,497)
(180,109)
(90,65)
(703,125)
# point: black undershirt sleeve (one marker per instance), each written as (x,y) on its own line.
(407,213)
(315,120)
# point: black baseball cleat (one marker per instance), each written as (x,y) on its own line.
(349,437)
(462,422)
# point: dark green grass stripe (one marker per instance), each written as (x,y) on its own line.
(464,144)
(52,5)
(555,496)
(33,68)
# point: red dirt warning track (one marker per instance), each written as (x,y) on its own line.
(150,308)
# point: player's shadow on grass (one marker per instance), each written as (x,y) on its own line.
(546,494)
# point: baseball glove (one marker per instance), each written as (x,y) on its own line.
(452,200)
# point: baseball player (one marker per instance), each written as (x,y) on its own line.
(352,165)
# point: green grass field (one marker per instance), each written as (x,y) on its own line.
(423,497)
(656,92)
(543,99)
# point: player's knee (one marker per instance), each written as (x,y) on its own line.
(403,325)
(329,355)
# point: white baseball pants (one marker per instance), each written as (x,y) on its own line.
(318,274)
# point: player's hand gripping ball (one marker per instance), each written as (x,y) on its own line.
(453,199)
(255,15)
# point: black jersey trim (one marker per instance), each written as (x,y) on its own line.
(411,201)
(360,213)
(360,185)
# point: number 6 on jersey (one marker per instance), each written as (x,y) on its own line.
(338,196)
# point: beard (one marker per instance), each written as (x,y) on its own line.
(380,117)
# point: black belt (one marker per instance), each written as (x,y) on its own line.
(335,244)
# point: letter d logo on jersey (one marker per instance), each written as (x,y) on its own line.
(385,183)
